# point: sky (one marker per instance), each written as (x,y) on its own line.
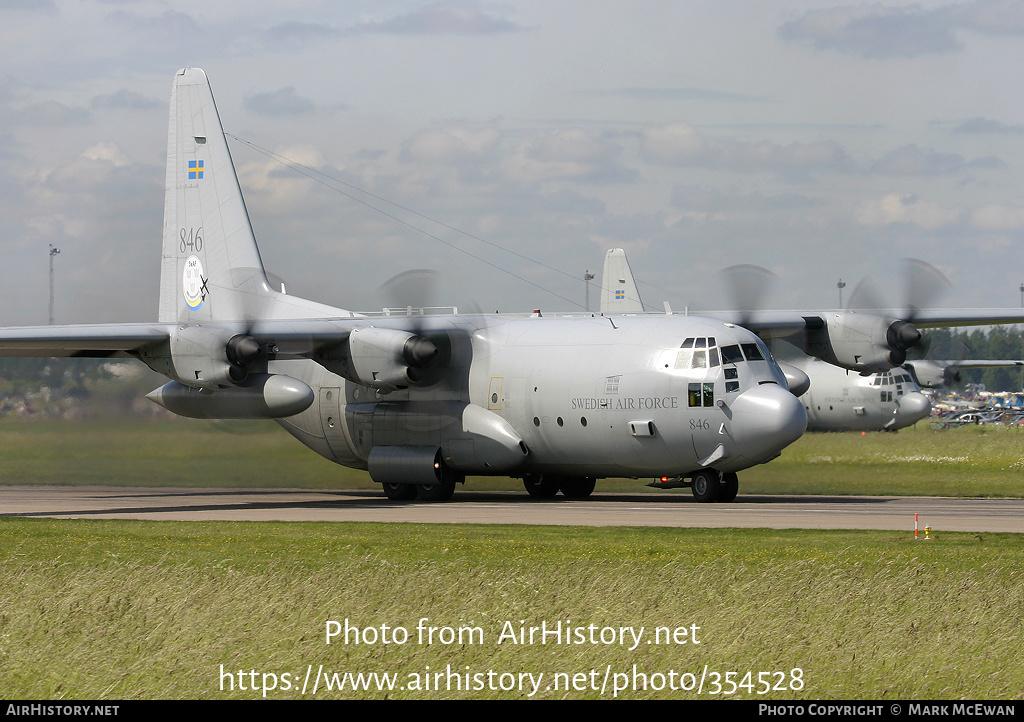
(508,145)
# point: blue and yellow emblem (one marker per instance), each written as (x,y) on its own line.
(620,295)
(195,170)
(193,285)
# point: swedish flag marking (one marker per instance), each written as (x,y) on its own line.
(195,170)
(620,295)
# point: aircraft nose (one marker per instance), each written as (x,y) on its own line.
(912,408)
(765,420)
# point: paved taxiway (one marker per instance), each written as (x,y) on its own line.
(664,509)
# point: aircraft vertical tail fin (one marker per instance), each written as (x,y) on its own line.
(210,267)
(618,289)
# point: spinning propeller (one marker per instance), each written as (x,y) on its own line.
(922,284)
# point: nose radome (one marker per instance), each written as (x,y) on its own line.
(765,420)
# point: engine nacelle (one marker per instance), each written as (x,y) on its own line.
(387,359)
(929,374)
(859,342)
(263,396)
(202,357)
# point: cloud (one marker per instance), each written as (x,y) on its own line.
(125,99)
(443,18)
(567,153)
(454,145)
(913,160)
(992,17)
(46,114)
(996,217)
(874,31)
(279,103)
(687,94)
(39,6)
(985,126)
(682,144)
(296,33)
(906,208)
(708,198)
(673,144)
(170,23)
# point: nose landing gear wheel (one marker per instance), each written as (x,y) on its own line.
(730,487)
(706,486)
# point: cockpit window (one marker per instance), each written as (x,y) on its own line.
(731,355)
(752,352)
(688,343)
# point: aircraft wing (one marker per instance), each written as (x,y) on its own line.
(986,364)
(786,323)
(944,317)
(298,337)
(866,341)
(96,341)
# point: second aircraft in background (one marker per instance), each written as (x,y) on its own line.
(836,399)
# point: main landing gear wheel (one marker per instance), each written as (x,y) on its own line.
(706,486)
(730,487)
(541,487)
(577,487)
(399,492)
(441,491)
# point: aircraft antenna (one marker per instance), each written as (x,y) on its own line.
(53,252)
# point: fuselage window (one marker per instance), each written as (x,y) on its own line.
(693,395)
(701,394)
(731,386)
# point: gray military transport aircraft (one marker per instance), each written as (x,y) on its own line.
(421,401)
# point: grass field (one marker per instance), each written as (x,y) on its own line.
(95,609)
(969,461)
(121,610)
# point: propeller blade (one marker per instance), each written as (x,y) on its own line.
(748,285)
(865,297)
(923,285)
(411,289)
